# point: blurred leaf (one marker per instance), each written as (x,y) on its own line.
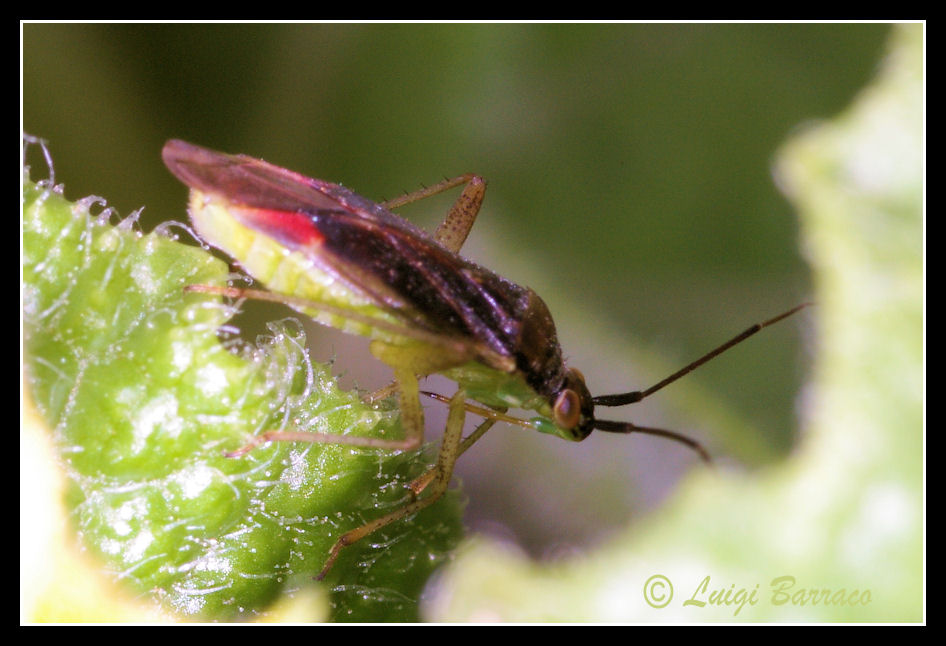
(835,533)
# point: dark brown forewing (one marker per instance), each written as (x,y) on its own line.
(412,275)
(373,251)
(255,183)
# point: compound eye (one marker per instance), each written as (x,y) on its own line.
(567,409)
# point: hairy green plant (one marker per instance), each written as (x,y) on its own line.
(143,395)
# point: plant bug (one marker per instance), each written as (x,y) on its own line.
(352,264)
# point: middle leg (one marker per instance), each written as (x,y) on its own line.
(443,471)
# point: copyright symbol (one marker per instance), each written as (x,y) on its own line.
(658,591)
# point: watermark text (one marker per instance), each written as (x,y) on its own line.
(781,591)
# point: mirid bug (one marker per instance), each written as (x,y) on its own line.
(350,263)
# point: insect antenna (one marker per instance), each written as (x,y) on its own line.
(627,427)
(622,399)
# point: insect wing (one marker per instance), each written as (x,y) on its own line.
(375,253)
(250,182)
(450,295)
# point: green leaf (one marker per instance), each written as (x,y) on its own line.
(142,397)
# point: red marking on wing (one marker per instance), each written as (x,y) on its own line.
(393,263)
(292,230)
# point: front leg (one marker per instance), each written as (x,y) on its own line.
(438,484)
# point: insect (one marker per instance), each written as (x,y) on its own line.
(352,264)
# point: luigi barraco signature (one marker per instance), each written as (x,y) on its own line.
(783,590)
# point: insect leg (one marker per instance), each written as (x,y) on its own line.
(420,483)
(412,419)
(412,414)
(381,393)
(449,450)
(453,231)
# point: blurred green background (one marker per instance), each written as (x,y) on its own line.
(630,185)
